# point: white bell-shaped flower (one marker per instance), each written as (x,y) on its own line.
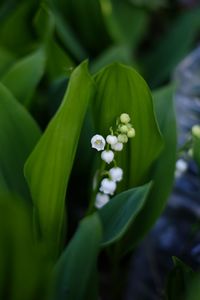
(125,118)
(101,200)
(116,174)
(181,167)
(117,147)
(108,186)
(111,139)
(107,156)
(98,142)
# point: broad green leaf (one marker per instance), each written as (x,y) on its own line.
(48,167)
(24,75)
(163,170)
(24,273)
(118,215)
(193,292)
(75,270)
(18,135)
(172,47)
(121,89)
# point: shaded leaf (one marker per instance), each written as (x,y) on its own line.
(24,75)
(48,167)
(76,269)
(18,135)
(24,273)
(118,215)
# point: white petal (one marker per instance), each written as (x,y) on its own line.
(98,142)
(101,200)
(108,186)
(117,147)
(116,174)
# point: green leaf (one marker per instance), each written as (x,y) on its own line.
(24,76)
(18,135)
(15,30)
(196,150)
(118,215)
(172,47)
(48,167)
(163,170)
(24,273)
(76,268)
(121,89)
(179,280)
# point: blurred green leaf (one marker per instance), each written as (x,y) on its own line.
(172,47)
(121,89)
(120,54)
(24,273)
(120,212)
(6,60)
(18,135)
(24,76)
(58,62)
(126,23)
(196,150)
(193,292)
(48,167)
(179,280)
(15,33)
(76,269)
(163,170)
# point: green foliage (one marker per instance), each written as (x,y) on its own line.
(24,273)
(77,263)
(118,215)
(124,90)
(18,135)
(49,165)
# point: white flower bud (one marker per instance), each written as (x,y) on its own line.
(123,129)
(131,133)
(111,139)
(98,142)
(101,200)
(108,186)
(125,118)
(196,131)
(116,174)
(107,156)
(117,147)
(181,167)
(122,138)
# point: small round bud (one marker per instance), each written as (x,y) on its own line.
(131,133)
(122,138)
(117,147)
(123,129)
(125,118)
(107,156)
(196,131)
(111,139)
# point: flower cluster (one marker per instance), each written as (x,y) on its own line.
(114,142)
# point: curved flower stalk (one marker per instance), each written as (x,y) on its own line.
(107,177)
